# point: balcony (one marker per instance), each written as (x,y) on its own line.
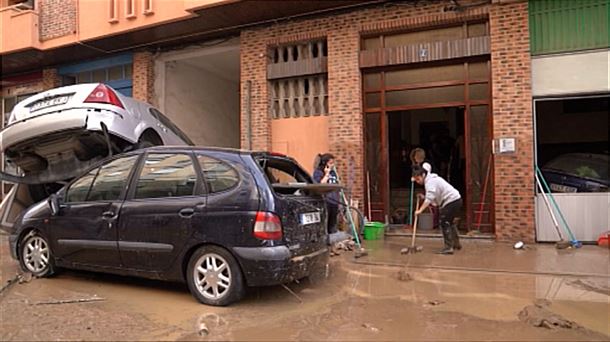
(19,28)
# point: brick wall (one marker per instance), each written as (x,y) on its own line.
(512,117)
(515,213)
(50,79)
(57,18)
(143,76)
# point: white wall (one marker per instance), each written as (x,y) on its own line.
(203,105)
(571,73)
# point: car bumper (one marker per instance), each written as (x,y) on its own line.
(39,126)
(265,266)
(12,243)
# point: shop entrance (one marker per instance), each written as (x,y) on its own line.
(443,109)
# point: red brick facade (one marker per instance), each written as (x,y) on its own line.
(50,79)
(143,76)
(57,18)
(512,117)
(511,90)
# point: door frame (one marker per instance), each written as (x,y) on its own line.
(466,103)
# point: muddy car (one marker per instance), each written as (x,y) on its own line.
(218,219)
(54,136)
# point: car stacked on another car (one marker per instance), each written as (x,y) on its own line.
(218,219)
(55,135)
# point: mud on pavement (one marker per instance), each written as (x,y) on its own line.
(355,302)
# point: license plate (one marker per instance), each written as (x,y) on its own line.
(562,188)
(310,218)
(56,101)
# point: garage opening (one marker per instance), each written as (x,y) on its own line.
(572,153)
(198,90)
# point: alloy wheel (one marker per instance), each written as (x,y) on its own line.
(212,275)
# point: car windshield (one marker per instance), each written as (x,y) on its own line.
(594,167)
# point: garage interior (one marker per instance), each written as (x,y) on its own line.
(572,152)
(198,89)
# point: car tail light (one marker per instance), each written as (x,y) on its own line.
(103,94)
(267,226)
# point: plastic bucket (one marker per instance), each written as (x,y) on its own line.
(425,221)
(374,230)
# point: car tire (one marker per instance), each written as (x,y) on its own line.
(35,255)
(214,276)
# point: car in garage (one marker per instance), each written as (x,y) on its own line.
(578,172)
(218,219)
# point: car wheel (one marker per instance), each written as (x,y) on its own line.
(36,256)
(214,277)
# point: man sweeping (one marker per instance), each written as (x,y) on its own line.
(445,197)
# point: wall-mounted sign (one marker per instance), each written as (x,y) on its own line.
(504,145)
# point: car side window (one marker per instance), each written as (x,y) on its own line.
(166,175)
(218,175)
(78,191)
(170,125)
(112,179)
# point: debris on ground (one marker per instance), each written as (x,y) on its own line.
(538,315)
(601,287)
(20,278)
(435,302)
(292,293)
(71,301)
(203,329)
(403,275)
(370,327)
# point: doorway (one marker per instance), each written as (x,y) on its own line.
(444,108)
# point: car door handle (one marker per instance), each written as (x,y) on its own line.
(187,212)
(108,215)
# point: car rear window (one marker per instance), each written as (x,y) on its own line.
(282,170)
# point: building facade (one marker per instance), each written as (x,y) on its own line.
(367,81)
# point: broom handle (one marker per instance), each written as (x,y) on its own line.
(414,227)
(546,186)
(548,206)
(411,203)
(368,194)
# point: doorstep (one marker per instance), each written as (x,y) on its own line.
(399,230)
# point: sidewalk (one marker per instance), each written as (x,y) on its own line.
(491,256)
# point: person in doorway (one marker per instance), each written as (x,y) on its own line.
(447,198)
(418,158)
(325,173)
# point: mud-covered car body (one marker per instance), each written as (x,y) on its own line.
(152,212)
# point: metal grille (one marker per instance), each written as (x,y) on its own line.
(299,97)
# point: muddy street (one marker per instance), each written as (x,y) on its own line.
(356,302)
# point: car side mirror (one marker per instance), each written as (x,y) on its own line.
(54,204)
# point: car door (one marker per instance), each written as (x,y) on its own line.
(232,200)
(85,230)
(156,219)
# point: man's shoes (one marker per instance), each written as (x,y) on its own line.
(445,251)
(458,247)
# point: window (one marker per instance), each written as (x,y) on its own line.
(218,175)
(79,190)
(166,175)
(147,7)
(170,125)
(114,11)
(130,9)
(111,180)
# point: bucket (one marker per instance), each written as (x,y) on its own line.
(374,230)
(425,221)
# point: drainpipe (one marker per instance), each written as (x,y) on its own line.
(249,111)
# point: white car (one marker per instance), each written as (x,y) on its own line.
(57,134)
